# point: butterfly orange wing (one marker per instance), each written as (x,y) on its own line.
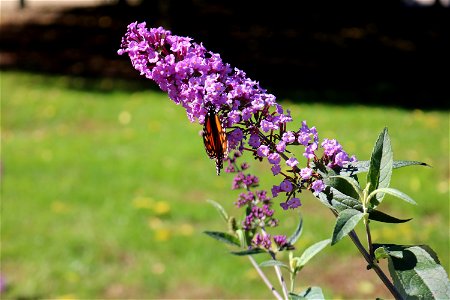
(215,139)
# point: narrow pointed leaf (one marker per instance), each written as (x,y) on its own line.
(293,296)
(224,237)
(242,238)
(338,194)
(297,233)
(220,209)
(345,222)
(380,216)
(380,170)
(406,163)
(355,167)
(337,200)
(311,251)
(354,184)
(248,252)
(345,185)
(396,193)
(313,292)
(273,263)
(362,166)
(417,274)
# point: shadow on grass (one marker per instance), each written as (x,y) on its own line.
(372,54)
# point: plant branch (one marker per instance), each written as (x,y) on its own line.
(280,277)
(369,237)
(375,267)
(355,239)
(264,278)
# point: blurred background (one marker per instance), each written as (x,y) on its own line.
(105,182)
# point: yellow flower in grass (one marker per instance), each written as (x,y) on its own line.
(161,208)
(162,234)
(414,183)
(143,202)
(160,230)
(155,223)
(60,207)
(124,117)
(365,287)
(186,229)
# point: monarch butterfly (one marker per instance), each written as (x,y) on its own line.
(215,139)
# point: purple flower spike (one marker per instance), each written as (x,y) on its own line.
(252,120)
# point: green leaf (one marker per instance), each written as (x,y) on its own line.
(346,185)
(313,292)
(396,193)
(273,263)
(293,296)
(345,222)
(220,209)
(248,252)
(381,253)
(380,216)
(224,237)
(406,163)
(390,249)
(356,167)
(297,233)
(242,238)
(337,200)
(381,162)
(353,183)
(311,251)
(416,272)
(339,193)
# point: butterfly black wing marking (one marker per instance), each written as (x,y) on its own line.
(215,139)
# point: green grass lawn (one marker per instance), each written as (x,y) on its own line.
(104,195)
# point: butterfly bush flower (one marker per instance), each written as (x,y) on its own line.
(306,173)
(198,80)
(262,240)
(292,162)
(291,203)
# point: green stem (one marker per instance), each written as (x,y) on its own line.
(280,277)
(292,282)
(264,278)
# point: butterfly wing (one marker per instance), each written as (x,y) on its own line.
(215,139)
